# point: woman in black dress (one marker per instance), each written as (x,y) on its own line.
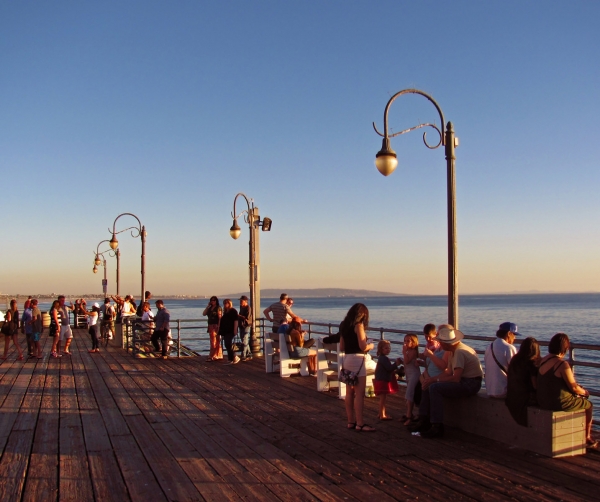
(522,380)
(11,329)
(228,328)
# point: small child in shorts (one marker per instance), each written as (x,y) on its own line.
(385,382)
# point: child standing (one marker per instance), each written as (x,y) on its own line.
(385,376)
(410,351)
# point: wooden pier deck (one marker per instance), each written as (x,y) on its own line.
(110,427)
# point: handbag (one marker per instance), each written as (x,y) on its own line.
(7,328)
(350,378)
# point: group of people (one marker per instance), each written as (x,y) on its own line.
(224,323)
(452,370)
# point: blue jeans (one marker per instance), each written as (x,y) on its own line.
(432,400)
(245,337)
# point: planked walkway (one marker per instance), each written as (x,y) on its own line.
(109,427)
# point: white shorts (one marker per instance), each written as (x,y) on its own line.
(65,332)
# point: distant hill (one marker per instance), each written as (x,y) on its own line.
(317,293)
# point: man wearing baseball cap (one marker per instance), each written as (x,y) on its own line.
(497,358)
(461,378)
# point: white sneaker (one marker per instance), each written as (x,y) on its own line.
(236,360)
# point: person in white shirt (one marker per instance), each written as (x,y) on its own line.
(497,358)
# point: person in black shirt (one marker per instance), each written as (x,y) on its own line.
(228,328)
(244,325)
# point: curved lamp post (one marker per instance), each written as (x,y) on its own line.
(135,232)
(98,261)
(251,217)
(386,161)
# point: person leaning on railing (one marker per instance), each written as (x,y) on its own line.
(557,389)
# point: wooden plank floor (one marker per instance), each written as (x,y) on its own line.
(110,427)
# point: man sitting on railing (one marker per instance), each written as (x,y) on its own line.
(462,378)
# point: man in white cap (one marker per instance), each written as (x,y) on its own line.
(462,378)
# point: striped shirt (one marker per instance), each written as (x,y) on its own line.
(279,312)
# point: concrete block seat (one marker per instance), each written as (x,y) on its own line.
(549,433)
(271,350)
(287,365)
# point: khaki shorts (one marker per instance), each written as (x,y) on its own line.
(65,332)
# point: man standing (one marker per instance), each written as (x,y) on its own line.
(37,328)
(108,318)
(497,358)
(462,378)
(162,329)
(244,325)
(65,329)
(26,326)
(280,311)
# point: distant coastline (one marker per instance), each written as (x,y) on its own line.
(294,293)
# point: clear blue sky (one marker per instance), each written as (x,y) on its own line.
(168,109)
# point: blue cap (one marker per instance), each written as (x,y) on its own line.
(510,326)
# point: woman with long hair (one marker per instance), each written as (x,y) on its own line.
(214,312)
(522,380)
(11,331)
(300,348)
(54,330)
(557,389)
(228,327)
(353,341)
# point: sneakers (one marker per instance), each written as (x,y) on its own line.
(236,360)
(435,431)
(164,357)
(422,424)
(55,354)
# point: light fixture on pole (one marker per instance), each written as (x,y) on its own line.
(98,261)
(251,217)
(386,162)
(135,232)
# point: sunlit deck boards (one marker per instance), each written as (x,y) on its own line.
(109,427)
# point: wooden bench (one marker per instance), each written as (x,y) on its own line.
(329,356)
(287,365)
(549,433)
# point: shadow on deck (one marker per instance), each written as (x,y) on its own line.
(110,427)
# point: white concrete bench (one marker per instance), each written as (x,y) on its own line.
(271,353)
(287,365)
(549,433)
(329,357)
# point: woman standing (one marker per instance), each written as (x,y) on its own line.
(54,330)
(93,324)
(11,330)
(228,327)
(353,341)
(557,389)
(214,312)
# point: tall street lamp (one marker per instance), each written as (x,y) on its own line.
(135,232)
(251,217)
(97,262)
(386,162)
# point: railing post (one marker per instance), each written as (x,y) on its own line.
(572,359)
(178,337)
(309,331)
(381,335)
(329,329)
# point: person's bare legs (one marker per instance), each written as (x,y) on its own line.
(359,399)
(349,402)
(67,345)
(588,424)
(56,344)
(15,339)
(6,345)
(382,414)
(409,411)
(38,349)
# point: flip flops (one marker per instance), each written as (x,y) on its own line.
(364,428)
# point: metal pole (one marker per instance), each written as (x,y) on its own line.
(118,269)
(255,229)
(105,281)
(143,262)
(452,247)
